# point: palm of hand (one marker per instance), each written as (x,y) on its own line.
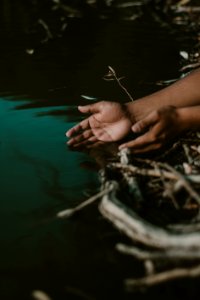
(110,125)
(108,122)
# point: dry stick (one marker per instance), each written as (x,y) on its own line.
(187,153)
(144,171)
(185,183)
(119,82)
(168,189)
(187,9)
(132,284)
(154,173)
(186,228)
(137,229)
(40,295)
(69,212)
(133,187)
(47,30)
(170,254)
(190,66)
(191,177)
(177,176)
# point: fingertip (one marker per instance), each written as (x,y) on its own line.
(69,133)
(135,128)
(69,142)
(82,108)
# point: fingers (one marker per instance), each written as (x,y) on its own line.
(137,143)
(151,139)
(144,124)
(149,148)
(86,135)
(142,144)
(85,143)
(84,125)
(91,108)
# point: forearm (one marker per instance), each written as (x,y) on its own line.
(189,118)
(184,92)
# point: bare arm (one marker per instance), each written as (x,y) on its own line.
(160,126)
(111,121)
(184,92)
(190,117)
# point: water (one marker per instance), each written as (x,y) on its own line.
(39,94)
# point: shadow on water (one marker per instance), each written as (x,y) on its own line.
(39,94)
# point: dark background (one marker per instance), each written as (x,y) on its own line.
(53,56)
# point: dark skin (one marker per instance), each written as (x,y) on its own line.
(157,118)
(108,122)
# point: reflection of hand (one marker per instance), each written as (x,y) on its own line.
(157,129)
(108,122)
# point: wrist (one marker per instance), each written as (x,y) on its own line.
(136,110)
(190,117)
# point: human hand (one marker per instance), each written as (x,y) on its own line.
(157,129)
(108,122)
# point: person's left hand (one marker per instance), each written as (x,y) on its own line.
(156,130)
(107,122)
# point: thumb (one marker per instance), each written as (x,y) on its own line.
(91,108)
(145,123)
(139,126)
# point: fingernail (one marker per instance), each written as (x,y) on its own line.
(135,129)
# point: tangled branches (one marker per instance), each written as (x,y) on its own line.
(159,247)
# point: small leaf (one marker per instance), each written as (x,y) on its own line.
(89,98)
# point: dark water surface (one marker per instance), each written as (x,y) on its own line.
(39,93)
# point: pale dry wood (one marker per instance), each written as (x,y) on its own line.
(71,211)
(178,273)
(139,230)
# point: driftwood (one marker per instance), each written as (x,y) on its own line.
(152,244)
(143,232)
(158,248)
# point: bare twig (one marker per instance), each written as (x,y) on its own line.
(133,284)
(112,74)
(71,211)
(184,182)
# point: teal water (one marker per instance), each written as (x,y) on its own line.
(39,177)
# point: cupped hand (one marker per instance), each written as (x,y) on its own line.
(108,122)
(156,130)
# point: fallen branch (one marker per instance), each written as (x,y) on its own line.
(71,211)
(133,284)
(139,230)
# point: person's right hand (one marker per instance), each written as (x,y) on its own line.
(108,122)
(157,129)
